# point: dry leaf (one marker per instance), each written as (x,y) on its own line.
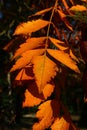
(30,26)
(63,58)
(46,114)
(26,58)
(63,18)
(44,69)
(30,44)
(60,124)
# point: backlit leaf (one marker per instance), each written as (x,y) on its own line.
(30,100)
(42,12)
(78,8)
(59,44)
(73,56)
(30,26)
(65,4)
(32,96)
(44,69)
(30,44)
(60,124)
(46,114)
(25,74)
(26,58)
(63,18)
(64,58)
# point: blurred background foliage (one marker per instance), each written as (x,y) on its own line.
(12,12)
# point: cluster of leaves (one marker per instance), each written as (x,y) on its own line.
(41,61)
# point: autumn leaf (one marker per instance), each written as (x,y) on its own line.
(63,18)
(59,44)
(64,58)
(78,8)
(30,26)
(25,74)
(65,4)
(73,56)
(60,124)
(33,97)
(31,43)
(42,12)
(84,0)
(30,100)
(44,69)
(46,114)
(72,2)
(26,58)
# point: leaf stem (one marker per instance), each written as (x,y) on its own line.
(48,30)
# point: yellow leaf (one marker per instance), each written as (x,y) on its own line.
(44,69)
(60,124)
(30,44)
(64,58)
(26,58)
(32,96)
(59,44)
(78,8)
(48,111)
(63,18)
(30,26)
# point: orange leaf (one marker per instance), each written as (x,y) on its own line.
(63,58)
(84,0)
(30,44)
(47,91)
(32,96)
(44,69)
(73,56)
(25,74)
(42,12)
(26,58)
(72,2)
(78,8)
(60,124)
(65,4)
(63,18)
(48,111)
(30,100)
(59,44)
(30,26)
